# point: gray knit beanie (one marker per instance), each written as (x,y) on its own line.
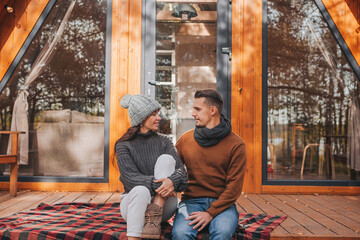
(139,107)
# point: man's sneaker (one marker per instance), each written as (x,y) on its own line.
(153,217)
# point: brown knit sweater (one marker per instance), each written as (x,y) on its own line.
(214,172)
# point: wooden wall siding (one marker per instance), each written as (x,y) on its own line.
(246,73)
(125,72)
(347,23)
(15,28)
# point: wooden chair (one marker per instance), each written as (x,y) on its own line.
(321,163)
(12,159)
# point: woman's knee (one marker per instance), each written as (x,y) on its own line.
(165,166)
(167,160)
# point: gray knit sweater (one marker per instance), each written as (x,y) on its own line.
(136,160)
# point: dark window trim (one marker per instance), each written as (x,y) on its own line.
(223,60)
(353,65)
(148,47)
(11,70)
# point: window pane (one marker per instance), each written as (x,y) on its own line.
(311,92)
(66,101)
(185,59)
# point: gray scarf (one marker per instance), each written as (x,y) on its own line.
(206,137)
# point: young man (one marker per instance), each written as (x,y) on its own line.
(215,159)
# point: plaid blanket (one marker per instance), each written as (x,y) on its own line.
(72,221)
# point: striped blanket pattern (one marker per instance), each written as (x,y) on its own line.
(70,221)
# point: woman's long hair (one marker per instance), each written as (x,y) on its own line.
(130,134)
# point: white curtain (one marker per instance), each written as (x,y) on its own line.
(353,143)
(19,121)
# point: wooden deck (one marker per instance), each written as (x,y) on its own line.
(309,216)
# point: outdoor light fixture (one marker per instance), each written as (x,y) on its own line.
(8,8)
(184,11)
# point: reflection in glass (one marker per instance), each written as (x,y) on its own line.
(311,89)
(185,60)
(66,102)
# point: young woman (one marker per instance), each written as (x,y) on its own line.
(150,170)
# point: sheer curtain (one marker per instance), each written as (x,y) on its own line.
(353,147)
(19,121)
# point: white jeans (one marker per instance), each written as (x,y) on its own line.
(133,205)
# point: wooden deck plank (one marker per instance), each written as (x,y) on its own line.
(304,217)
(247,205)
(54,196)
(114,198)
(353,200)
(324,237)
(7,196)
(24,204)
(69,197)
(327,211)
(86,197)
(290,224)
(319,217)
(269,209)
(15,200)
(335,207)
(101,197)
(346,205)
(301,227)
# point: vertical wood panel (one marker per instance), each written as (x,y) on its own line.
(125,73)
(258,95)
(236,65)
(249,90)
(15,28)
(247,74)
(119,41)
(347,24)
(7,47)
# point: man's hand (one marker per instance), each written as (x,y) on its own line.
(201,219)
(166,189)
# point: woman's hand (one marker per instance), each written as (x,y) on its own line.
(166,189)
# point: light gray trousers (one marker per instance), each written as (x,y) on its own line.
(133,204)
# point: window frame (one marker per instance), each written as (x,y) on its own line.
(12,68)
(355,67)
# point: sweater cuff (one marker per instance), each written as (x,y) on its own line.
(155,185)
(176,180)
(212,211)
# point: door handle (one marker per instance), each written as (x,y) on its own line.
(153,83)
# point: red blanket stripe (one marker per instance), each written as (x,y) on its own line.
(72,221)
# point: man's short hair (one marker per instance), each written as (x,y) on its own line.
(212,98)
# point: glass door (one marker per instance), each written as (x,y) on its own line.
(186,47)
